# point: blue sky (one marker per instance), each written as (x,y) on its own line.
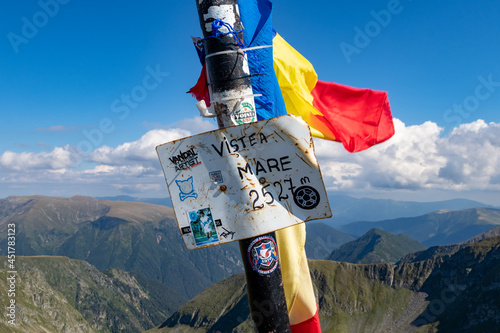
(67,66)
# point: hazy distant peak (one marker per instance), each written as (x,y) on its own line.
(376,246)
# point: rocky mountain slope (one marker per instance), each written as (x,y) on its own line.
(376,246)
(445,289)
(58,294)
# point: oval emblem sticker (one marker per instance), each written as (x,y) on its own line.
(245,115)
(263,255)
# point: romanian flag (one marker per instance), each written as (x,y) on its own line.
(358,118)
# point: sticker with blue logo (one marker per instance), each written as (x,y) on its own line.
(263,255)
(186,189)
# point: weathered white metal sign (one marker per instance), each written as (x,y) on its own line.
(243,181)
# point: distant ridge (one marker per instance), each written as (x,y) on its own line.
(321,239)
(495,231)
(348,209)
(376,246)
(437,228)
(155,201)
(436,252)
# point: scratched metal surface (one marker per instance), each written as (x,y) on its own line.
(243,181)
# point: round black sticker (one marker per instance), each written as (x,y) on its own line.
(306,197)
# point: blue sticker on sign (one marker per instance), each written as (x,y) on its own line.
(186,189)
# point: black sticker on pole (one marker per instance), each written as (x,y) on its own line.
(263,255)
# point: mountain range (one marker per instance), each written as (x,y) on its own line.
(348,209)
(135,237)
(442,289)
(130,268)
(437,228)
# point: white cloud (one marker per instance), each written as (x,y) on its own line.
(133,163)
(197,124)
(136,170)
(59,157)
(141,151)
(473,156)
(418,158)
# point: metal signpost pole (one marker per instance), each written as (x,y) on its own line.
(232,98)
